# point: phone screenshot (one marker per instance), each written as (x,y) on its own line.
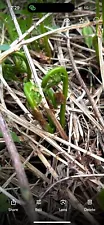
(51,112)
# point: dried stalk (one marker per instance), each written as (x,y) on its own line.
(23,182)
(35,170)
(49,137)
(58,30)
(82,83)
(44,161)
(32,67)
(100,49)
(28,56)
(77,205)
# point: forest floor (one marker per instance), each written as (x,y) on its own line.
(63,171)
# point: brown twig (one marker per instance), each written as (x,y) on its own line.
(96,111)
(23,182)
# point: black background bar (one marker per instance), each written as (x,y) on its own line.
(51,7)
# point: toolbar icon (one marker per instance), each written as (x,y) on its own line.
(67,20)
(62,202)
(81,20)
(38,201)
(13,202)
(32,8)
(86,7)
(89,202)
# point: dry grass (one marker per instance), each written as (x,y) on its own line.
(68,164)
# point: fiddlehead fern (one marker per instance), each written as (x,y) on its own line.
(51,79)
(19,65)
(34,99)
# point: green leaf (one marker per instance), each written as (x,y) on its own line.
(8,22)
(86,31)
(2,5)
(25,12)
(9,72)
(100,198)
(14,136)
(4,47)
(4,204)
(20,65)
(95,46)
(25,23)
(33,96)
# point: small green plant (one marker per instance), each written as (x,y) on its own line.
(24,19)
(14,68)
(51,80)
(87,32)
(91,39)
(34,99)
(32,94)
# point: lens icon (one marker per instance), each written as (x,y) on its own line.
(32,8)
